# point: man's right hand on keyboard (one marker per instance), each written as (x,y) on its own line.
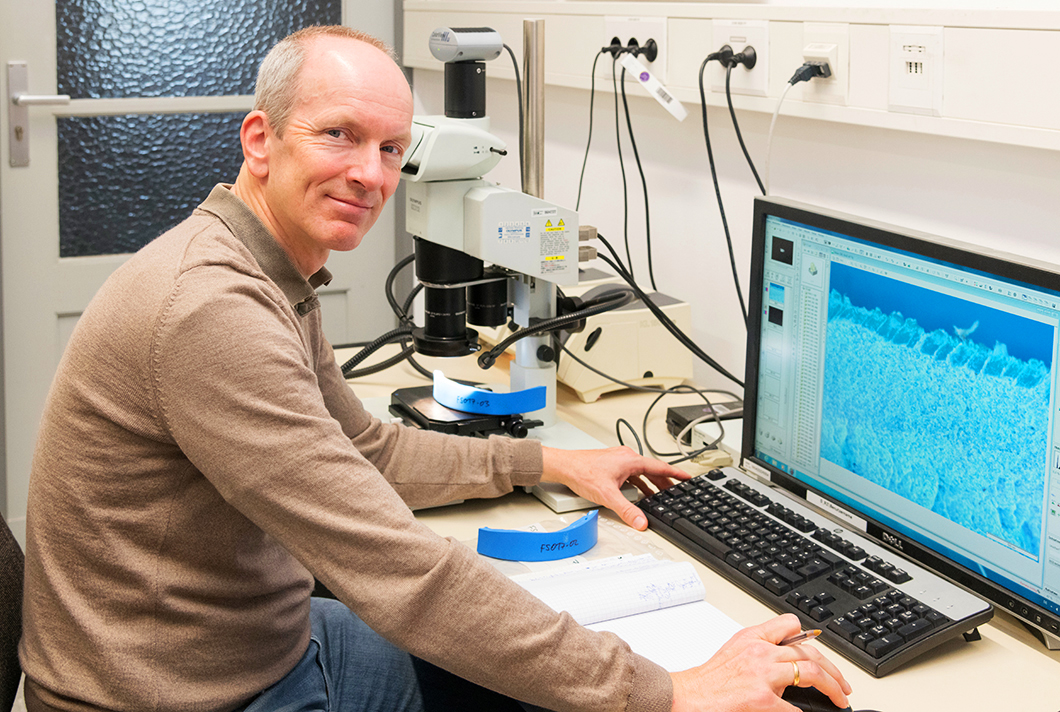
(751,672)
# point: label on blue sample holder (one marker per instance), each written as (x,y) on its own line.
(514,545)
(475,400)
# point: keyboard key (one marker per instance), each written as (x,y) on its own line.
(734,559)
(785,573)
(814,569)
(824,598)
(820,613)
(915,629)
(777,585)
(899,576)
(844,627)
(861,592)
(701,538)
(862,639)
(882,646)
(937,619)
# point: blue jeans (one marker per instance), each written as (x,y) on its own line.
(349,668)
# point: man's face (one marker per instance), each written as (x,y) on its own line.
(339,159)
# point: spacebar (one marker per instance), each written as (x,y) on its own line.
(700,537)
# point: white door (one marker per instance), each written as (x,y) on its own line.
(132,152)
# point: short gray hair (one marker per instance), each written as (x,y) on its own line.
(276,89)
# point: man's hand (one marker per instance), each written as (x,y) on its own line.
(750,673)
(598,475)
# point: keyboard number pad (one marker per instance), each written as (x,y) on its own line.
(886,623)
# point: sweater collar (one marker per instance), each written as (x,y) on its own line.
(274,262)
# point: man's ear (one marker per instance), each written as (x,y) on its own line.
(254,135)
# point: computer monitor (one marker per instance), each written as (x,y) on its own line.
(908,384)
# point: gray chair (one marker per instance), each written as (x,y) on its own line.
(12,566)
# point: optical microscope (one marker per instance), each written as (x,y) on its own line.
(461,222)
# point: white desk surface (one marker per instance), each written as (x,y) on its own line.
(1009,670)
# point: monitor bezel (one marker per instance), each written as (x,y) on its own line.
(994,262)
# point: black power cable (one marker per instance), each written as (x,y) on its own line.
(519,91)
(643,182)
(621,164)
(589,140)
(661,316)
(736,127)
(717,187)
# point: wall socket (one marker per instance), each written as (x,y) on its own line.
(831,41)
(738,34)
(915,70)
(641,29)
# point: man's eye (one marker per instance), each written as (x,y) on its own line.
(392,149)
(334,133)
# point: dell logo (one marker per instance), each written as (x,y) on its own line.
(894,541)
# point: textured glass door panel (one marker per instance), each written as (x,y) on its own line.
(124,180)
(124,48)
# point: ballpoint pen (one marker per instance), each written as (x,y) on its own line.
(801,637)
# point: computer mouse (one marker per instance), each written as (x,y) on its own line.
(810,699)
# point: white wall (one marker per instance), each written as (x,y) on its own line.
(992,194)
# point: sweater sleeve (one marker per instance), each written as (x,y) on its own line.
(427,468)
(237,390)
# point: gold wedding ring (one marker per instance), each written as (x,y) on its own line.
(795,682)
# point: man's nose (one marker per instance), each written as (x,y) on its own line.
(367,168)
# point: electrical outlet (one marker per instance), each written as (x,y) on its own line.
(827,41)
(916,70)
(640,29)
(740,34)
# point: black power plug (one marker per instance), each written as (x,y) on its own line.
(723,55)
(650,49)
(615,48)
(747,58)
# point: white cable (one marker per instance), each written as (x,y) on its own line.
(769,140)
(687,430)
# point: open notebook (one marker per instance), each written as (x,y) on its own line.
(656,606)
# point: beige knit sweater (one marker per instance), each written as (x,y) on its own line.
(200,455)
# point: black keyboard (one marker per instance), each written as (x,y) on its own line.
(873,609)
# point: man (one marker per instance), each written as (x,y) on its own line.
(200,455)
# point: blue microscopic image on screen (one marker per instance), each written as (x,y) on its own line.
(776,292)
(940,400)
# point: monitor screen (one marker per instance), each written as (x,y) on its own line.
(908,383)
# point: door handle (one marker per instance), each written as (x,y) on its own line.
(22,99)
(18,111)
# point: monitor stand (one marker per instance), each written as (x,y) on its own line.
(1050,641)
